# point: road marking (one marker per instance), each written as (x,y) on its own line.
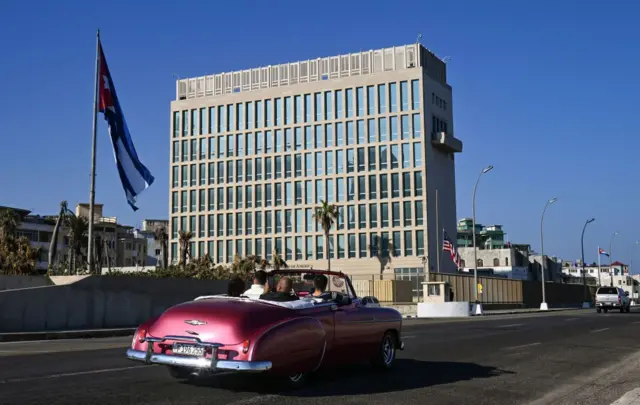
(630,398)
(254,400)
(571,319)
(521,346)
(636,322)
(599,330)
(509,326)
(105,370)
(409,337)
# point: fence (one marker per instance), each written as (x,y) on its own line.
(495,291)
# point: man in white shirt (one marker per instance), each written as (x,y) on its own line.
(257,289)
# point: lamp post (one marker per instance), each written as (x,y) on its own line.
(632,251)
(543,304)
(611,256)
(586,303)
(477,307)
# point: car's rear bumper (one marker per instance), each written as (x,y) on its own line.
(200,363)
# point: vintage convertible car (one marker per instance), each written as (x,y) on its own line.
(288,339)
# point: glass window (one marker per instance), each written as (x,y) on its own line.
(240,109)
(307,108)
(362,216)
(229,171)
(278,221)
(395,185)
(382,99)
(250,112)
(258,217)
(395,152)
(396,244)
(288,242)
(371,100)
(299,220)
(382,130)
(176,124)
(395,208)
(268,218)
(384,186)
(248,219)
(249,195)
(362,243)
(404,120)
(259,114)
(350,162)
(308,138)
(308,191)
(330,191)
(329,161)
(349,103)
(404,96)
(351,217)
(418,212)
(328,106)
(350,133)
(360,101)
(298,138)
(371,127)
(350,189)
(308,163)
(268,119)
(239,224)
(417,184)
(309,220)
(249,169)
(309,247)
(340,246)
(279,112)
(361,163)
(268,141)
(394,128)
(406,155)
(362,136)
(406,207)
(268,168)
(319,247)
(298,164)
(340,186)
(339,161)
(212,148)
(230,117)
(415,94)
(328,135)
(211,223)
(362,194)
(267,195)
(319,191)
(212,178)
(279,140)
(212,196)
(298,190)
(352,245)
(384,215)
(372,187)
(278,199)
(408,243)
(371,152)
(288,140)
(373,216)
(416,125)
(299,247)
(393,97)
(278,173)
(259,143)
(318,106)
(417,154)
(339,105)
(288,193)
(419,243)
(298,111)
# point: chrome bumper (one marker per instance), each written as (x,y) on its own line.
(210,364)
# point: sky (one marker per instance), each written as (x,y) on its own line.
(545,91)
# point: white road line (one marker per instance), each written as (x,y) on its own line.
(599,330)
(89,372)
(571,319)
(254,400)
(509,326)
(409,337)
(521,346)
(630,398)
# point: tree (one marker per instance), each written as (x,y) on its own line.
(53,245)
(78,226)
(326,215)
(277,262)
(17,256)
(161,236)
(184,240)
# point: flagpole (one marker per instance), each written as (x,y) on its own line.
(438,232)
(599,271)
(92,192)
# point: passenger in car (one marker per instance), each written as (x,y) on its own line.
(320,286)
(236,287)
(257,289)
(282,293)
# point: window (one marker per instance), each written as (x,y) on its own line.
(362,194)
(340,246)
(350,162)
(279,112)
(405,128)
(417,154)
(382,99)
(350,189)
(382,129)
(408,243)
(393,97)
(298,138)
(268,113)
(417,184)
(339,106)
(416,125)
(279,140)
(319,140)
(288,140)
(406,208)
(349,103)
(418,213)
(319,247)
(394,128)
(396,243)
(395,152)
(371,100)
(350,133)
(339,134)
(415,94)
(361,164)
(384,215)
(404,96)
(308,138)
(384,186)
(362,136)
(339,162)
(362,243)
(307,108)
(298,109)
(329,188)
(406,155)
(328,134)
(373,216)
(406,184)
(395,210)
(328,105)
(359,102)
(362,216)
(372,187)
(329,161)
(395,185)
(309,220)
(298,192)
(299,220)
(352,245)
(318,106)
(340,186)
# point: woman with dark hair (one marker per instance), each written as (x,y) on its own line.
(236,287)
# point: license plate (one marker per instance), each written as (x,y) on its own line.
(188,350)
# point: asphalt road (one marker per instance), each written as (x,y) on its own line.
(571,357)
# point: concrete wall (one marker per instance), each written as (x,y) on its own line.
(96,302)
(13,282)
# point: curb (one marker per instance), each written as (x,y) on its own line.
(66,334)
(533,311)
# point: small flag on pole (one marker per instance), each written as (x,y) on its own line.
(135,177)
(447,246)
(602,252)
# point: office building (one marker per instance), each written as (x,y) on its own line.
(253,153)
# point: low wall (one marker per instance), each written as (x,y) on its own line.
(13,282)
(97,302)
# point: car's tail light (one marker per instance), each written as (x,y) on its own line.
(245,346)
(140,334)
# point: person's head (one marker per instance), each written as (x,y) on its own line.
(320,282)
(260,277)
(285,285)
(236,287)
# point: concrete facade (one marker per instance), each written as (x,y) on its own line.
(254,152)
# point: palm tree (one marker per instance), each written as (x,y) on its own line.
(53,245)
(161,236)
(78,227)
(326,215)
(9,222)
(277,262)
(184,240)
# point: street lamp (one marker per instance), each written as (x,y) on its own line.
(611,256)
(632,251)
(586,303)
(477,307)
(543,304)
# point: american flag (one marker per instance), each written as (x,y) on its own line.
(447,246)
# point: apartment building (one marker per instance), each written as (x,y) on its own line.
(253,153)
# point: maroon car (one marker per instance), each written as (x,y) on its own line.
(290,339)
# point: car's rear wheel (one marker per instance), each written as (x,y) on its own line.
(386,354)
(598,310)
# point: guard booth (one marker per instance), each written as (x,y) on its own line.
(437,292)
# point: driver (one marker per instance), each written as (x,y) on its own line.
(282,293)
(320,286)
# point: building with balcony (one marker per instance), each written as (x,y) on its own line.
(487,237)
(254,152)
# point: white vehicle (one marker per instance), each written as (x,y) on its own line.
(612,298)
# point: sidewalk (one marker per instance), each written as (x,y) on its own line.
(65,334)
(506,312)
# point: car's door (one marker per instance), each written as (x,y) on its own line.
(354,328)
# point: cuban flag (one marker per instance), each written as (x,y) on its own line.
(602,252)
(135,177)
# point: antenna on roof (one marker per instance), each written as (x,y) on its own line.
(418,39)
(446,59)
(176,76)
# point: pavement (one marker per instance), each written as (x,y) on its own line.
(559,358)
